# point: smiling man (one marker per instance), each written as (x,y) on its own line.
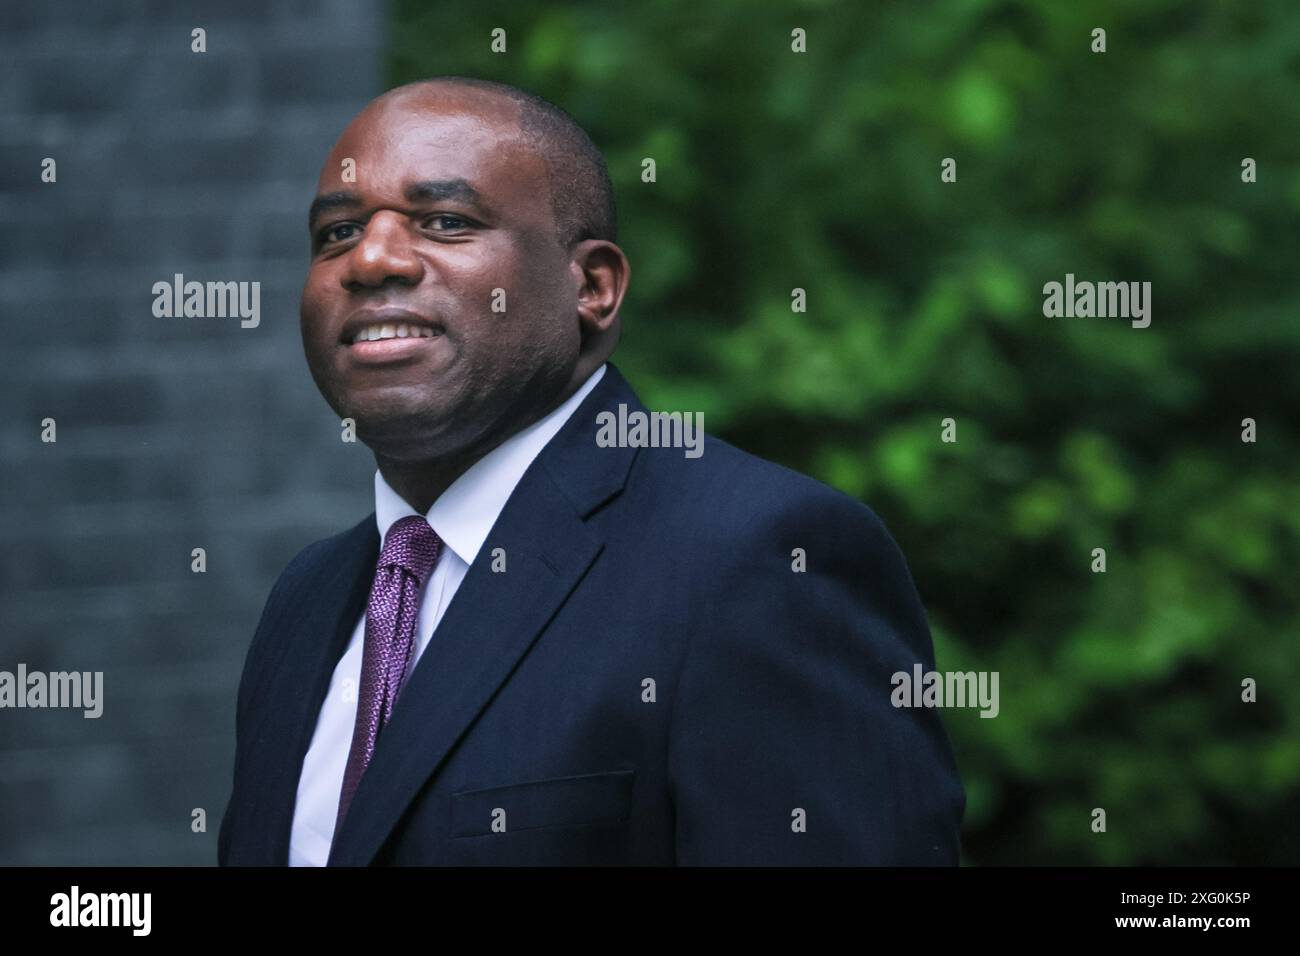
(541,648)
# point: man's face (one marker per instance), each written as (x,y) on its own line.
(450,212)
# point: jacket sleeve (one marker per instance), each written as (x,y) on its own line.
(784,746)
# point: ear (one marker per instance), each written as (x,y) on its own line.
(601,272)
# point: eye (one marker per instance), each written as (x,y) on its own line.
(332,233)
(458,222)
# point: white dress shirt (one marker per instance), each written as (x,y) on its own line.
(462,516)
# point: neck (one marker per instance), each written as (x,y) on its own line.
(421,483)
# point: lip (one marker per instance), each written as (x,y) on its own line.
(385,351)
(381,351)
(389,314)
(389,350)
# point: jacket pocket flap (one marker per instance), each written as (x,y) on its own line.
(556,801)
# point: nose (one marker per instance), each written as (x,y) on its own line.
(383,253)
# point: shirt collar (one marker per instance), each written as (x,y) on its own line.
(465,513)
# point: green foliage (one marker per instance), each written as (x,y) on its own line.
(778,170)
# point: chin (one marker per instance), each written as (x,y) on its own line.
(407,436)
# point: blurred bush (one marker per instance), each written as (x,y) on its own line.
(821,171)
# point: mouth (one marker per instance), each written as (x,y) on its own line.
(389,334)
(392,330)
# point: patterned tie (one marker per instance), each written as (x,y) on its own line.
(410,551)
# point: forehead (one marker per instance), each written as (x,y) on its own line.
(423,135)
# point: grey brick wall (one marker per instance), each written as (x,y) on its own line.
(172,433)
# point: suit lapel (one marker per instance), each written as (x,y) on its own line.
(295,677)
(494,618)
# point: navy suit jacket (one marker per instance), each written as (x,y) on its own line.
(648,682)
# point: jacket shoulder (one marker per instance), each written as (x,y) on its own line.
(735,492)
(320,564)
(321,555)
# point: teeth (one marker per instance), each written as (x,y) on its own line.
(390,330)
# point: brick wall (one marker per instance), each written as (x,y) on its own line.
(172,433)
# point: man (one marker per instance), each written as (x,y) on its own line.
(543,648)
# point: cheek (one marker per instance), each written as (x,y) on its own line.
(309,306)
(477,284)
(539,291)
(497,298)
(313,311)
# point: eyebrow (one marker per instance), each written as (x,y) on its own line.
(328,201)
(425,190)
(435,189)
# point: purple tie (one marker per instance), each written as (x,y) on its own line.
(410,551)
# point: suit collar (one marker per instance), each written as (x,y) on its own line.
(587,474)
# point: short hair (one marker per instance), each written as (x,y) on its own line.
(582,195)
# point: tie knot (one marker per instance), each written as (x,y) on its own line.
(411,544)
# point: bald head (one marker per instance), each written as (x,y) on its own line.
(582,195)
